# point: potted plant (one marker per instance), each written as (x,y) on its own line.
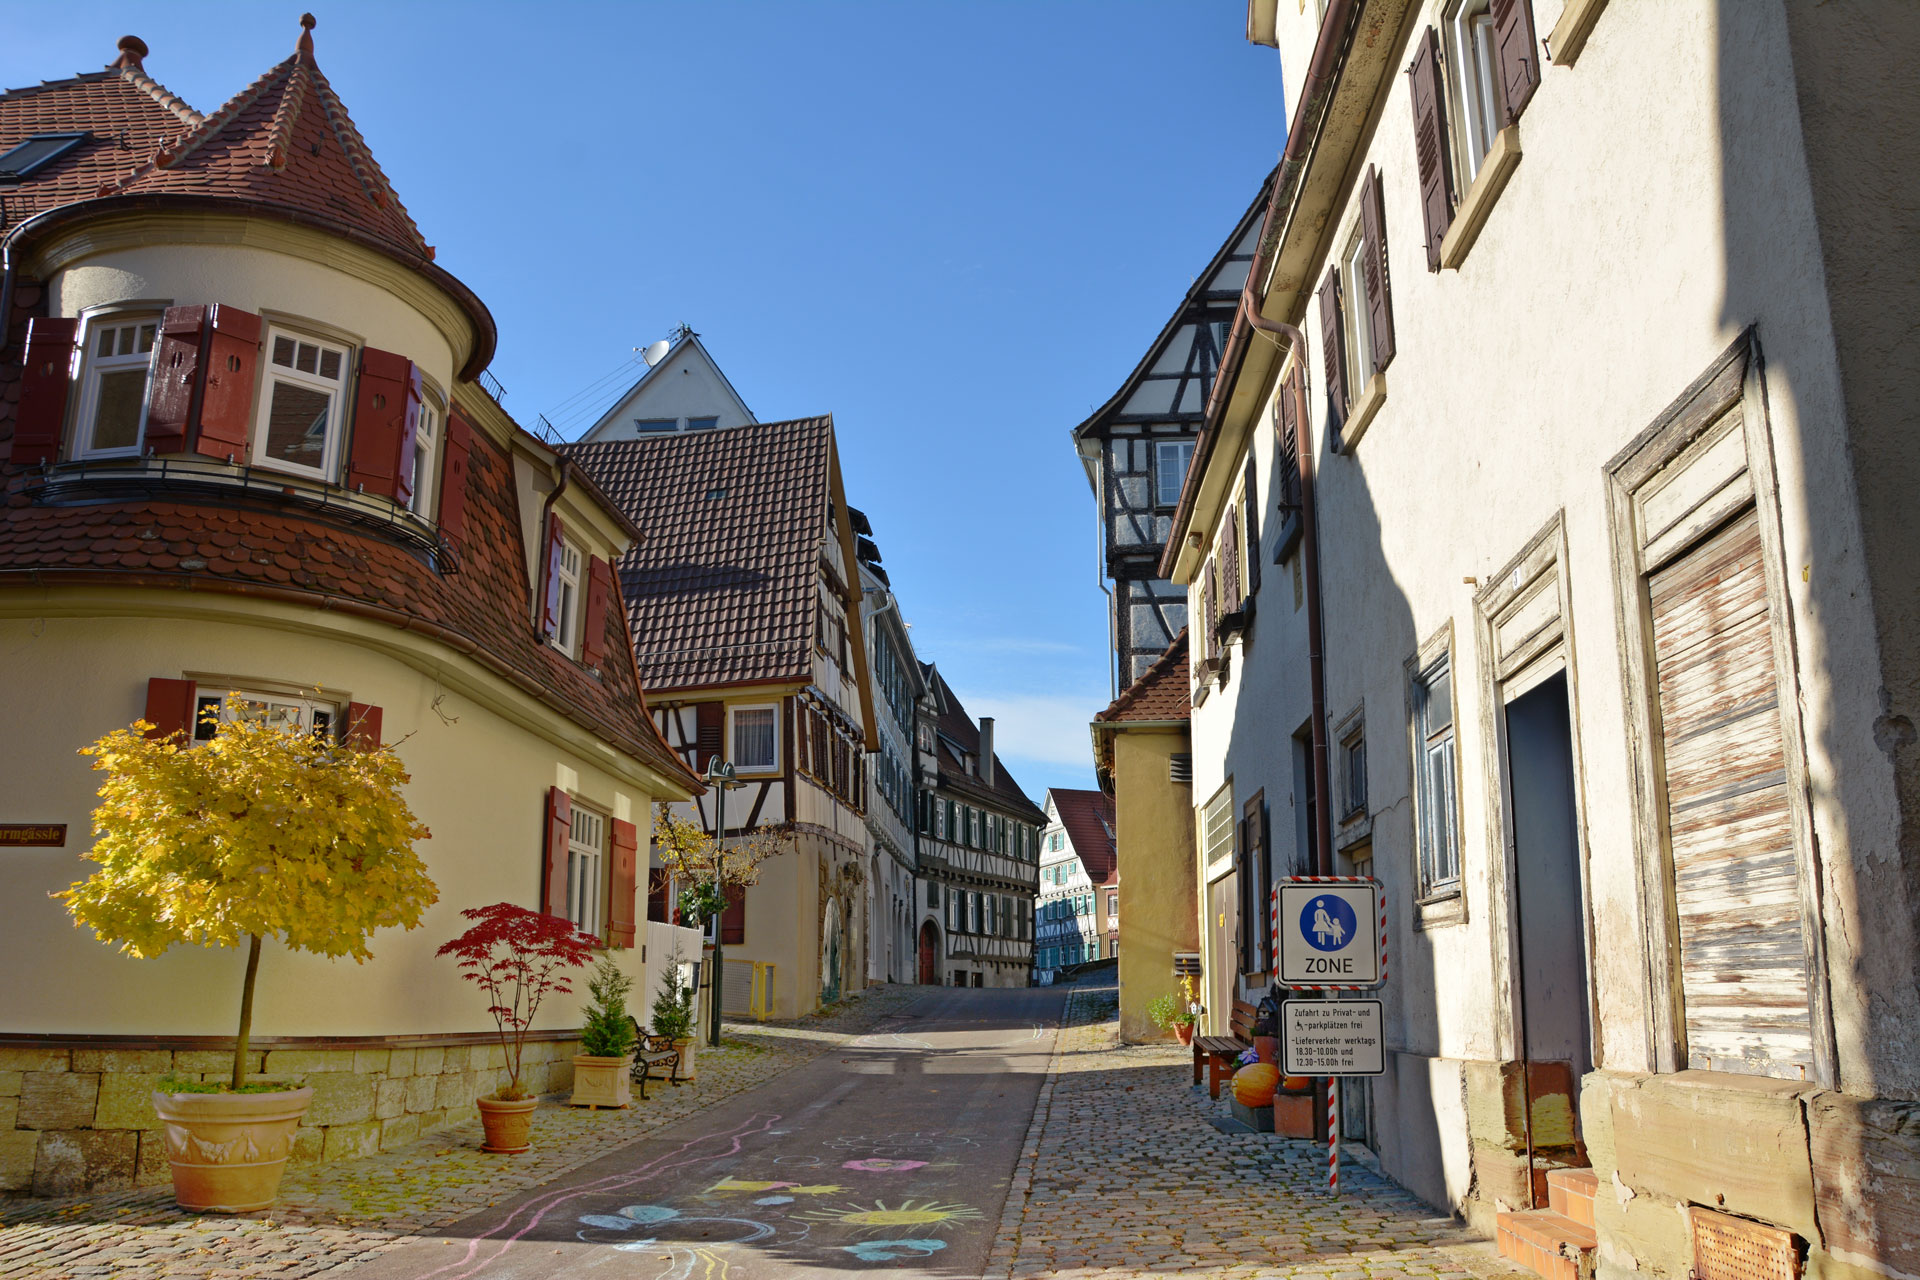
(600,1069)
(1177,1014)
(257,833)
(673,1012)
(518,957)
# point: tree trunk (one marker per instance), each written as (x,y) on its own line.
(246,1013)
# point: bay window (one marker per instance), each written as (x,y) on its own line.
(302,398)
(113,386)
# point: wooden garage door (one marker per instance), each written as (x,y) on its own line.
(1743,959)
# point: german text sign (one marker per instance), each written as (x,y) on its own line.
(29,835)
(1330,934)
(1331,1038)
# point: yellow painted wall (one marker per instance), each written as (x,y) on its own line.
(1154,835)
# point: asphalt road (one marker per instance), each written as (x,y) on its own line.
(891,1155)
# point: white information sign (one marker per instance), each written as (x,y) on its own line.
(1329,932)
(1331,1038)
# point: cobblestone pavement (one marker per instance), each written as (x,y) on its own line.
(1122,1175)
(333,1216)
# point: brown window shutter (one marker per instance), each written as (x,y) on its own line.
(710,719)
(169,709)
(363,726)
(1519,58)
(1287,500)
(624,883)
(176,378)
(225,416)
(553,869)
(1230,562)
(659,895)
(593,626)
(1373,232)
(550,578)
(386,415)
(454,464)
(1253,526)
(45,386)
(1333,347)
(1207,597)
(733,917)
(1430,145)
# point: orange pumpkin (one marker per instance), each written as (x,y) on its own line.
(1253,1085)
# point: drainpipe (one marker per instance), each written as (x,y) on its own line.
(6,290)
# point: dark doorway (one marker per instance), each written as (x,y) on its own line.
(929,948)
(1549,917)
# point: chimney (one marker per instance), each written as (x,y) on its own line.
(132,50)
(986,750)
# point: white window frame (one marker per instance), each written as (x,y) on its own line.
(92,366)
(1162,449)
(1437,783)
(1473,96)
(312,715)
(272,374)
(426,451)
(566,620)
(1355,307)
(586,866)
(772,765)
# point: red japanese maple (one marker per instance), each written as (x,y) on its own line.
(518,957)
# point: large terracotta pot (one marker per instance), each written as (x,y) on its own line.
(228,1150)
(601,1082)
(1266,1048)
(508,1123)
(1183,1031)
(684,1047)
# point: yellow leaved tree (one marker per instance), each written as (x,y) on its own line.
(258,833)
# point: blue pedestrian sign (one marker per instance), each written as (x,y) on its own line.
(1330,933)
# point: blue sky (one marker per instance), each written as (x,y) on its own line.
(953,226)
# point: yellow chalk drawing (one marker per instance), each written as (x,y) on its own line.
(908,1213)
(737,1184)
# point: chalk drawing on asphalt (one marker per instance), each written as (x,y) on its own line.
(893,1250)
(879,1216)
(884,1166)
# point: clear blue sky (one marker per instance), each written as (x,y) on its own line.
(953,226)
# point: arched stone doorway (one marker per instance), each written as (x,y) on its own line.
(929,953)
(830,953)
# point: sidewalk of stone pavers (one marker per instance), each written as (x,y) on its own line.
(333,1216)
(1122,1174)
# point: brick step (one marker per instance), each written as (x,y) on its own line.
(1549,1243)
(1570,1193)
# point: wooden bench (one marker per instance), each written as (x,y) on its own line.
(651,1052)
(1220,1054)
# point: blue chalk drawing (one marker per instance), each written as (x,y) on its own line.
(774,1200)
(893,1250)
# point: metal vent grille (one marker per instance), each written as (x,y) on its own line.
(1180,767)
(1730,1248)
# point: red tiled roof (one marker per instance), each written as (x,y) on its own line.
(1088,818)
(721,590)
(1163,691)
(127,115)
(285,140)
(484,608)
(955,724)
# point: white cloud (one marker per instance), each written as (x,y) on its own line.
(1044,727)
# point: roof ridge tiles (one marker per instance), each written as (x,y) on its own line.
(163,96)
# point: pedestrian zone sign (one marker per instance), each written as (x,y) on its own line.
(1331,1038)
(1331,932)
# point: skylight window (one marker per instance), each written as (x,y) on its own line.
(39,150)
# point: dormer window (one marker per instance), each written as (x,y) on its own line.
(113,388)
(305,389)
(566,597)
(36,153)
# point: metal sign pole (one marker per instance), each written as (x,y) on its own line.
(1333,1135)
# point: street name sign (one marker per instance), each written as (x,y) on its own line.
(1331,1038)
(1331,931)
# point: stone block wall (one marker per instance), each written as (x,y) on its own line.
(79,1120)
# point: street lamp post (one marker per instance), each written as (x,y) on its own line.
(719,776)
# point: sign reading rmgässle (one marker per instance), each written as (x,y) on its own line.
(33,835)
(1331,1038)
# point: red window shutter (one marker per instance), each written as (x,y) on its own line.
(453,478)
(1519,59)
(550,578)
(1253,525)
(553,869)
(709,733)
(593,629)
(363,726)
(624,883)
(1333,347)
(176,378)
(659,887)
(46,383)
(169,708)
(1430,145)
(226,400)
(733,918)
(1373,232)
(386,414)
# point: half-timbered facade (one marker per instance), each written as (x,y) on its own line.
(1136,447)
(898,686)
(743,597)
(1077,915)
(979,851)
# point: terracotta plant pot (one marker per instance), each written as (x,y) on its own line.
(601,1082)
(1184,1032)
(1266,1048)
(228,1150)
(684,1047)
(507,1123)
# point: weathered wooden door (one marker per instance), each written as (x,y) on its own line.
(1743,953)
(929,948)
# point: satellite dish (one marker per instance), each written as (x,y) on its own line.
(656,353)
